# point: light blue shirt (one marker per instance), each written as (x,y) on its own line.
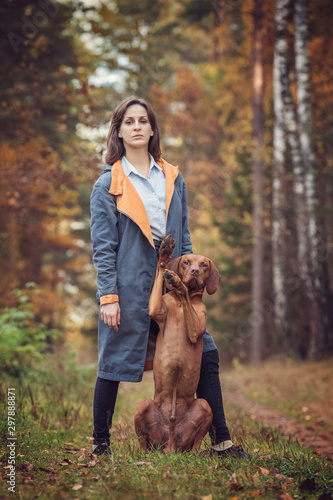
(152,192)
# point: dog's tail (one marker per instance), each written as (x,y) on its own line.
(172,417)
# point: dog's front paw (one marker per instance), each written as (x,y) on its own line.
(166,249)
(173,281)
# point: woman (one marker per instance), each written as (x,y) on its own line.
(136,202)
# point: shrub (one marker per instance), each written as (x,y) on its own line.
(23,342)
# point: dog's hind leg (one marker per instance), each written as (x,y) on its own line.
(149,425)
(192,429)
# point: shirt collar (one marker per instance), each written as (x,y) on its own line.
(128,168)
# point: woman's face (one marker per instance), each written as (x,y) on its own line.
(135,129)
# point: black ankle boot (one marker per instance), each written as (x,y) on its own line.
(101,449)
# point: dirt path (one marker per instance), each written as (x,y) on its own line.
(287,425)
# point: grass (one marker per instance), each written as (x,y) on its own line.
(54,427)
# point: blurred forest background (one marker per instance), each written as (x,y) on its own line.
(244,97)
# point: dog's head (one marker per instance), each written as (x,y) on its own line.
(196,272)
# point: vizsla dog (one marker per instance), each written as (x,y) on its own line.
(175,420)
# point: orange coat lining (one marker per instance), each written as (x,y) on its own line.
(129,201)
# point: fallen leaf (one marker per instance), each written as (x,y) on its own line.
(77,487)
(264,471)
(285,496)
(142,463)
(92,463)
(283,478)
(255,477)
(273,470)
(146,493)
(207,497)
(51,471)
(233,478)
(28,466)
(234,483)
(255,494)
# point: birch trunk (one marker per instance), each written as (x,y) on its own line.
(278,193)
(293,139)
(258,239)
(317,269)
(291,129)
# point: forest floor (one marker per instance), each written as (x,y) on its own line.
(280,412)
(295,398)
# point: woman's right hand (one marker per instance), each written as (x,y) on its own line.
(110,314)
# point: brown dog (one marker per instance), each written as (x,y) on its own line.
(175,420)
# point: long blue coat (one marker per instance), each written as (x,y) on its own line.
(125,260)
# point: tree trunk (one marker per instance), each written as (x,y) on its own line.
(317,269)
(291,129)
(258,239)
(278,191)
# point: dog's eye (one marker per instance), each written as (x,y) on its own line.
(204,264)
(185,262)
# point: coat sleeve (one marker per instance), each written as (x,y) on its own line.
(104,237)
(186,238)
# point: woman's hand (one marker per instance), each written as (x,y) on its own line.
(110,314)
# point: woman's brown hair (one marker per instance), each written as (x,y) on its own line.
(115,146)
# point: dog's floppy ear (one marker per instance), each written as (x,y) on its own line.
(174,265)
(213,282)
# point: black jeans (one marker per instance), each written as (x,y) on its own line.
(209,388)
(105,396)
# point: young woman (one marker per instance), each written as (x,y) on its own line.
(136,202)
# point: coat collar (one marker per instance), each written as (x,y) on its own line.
(128,200)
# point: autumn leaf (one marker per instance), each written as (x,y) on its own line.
(234,483)
(255,494)
(77,487)
(255,477)
(285,479)
(264,471)
(285,496)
